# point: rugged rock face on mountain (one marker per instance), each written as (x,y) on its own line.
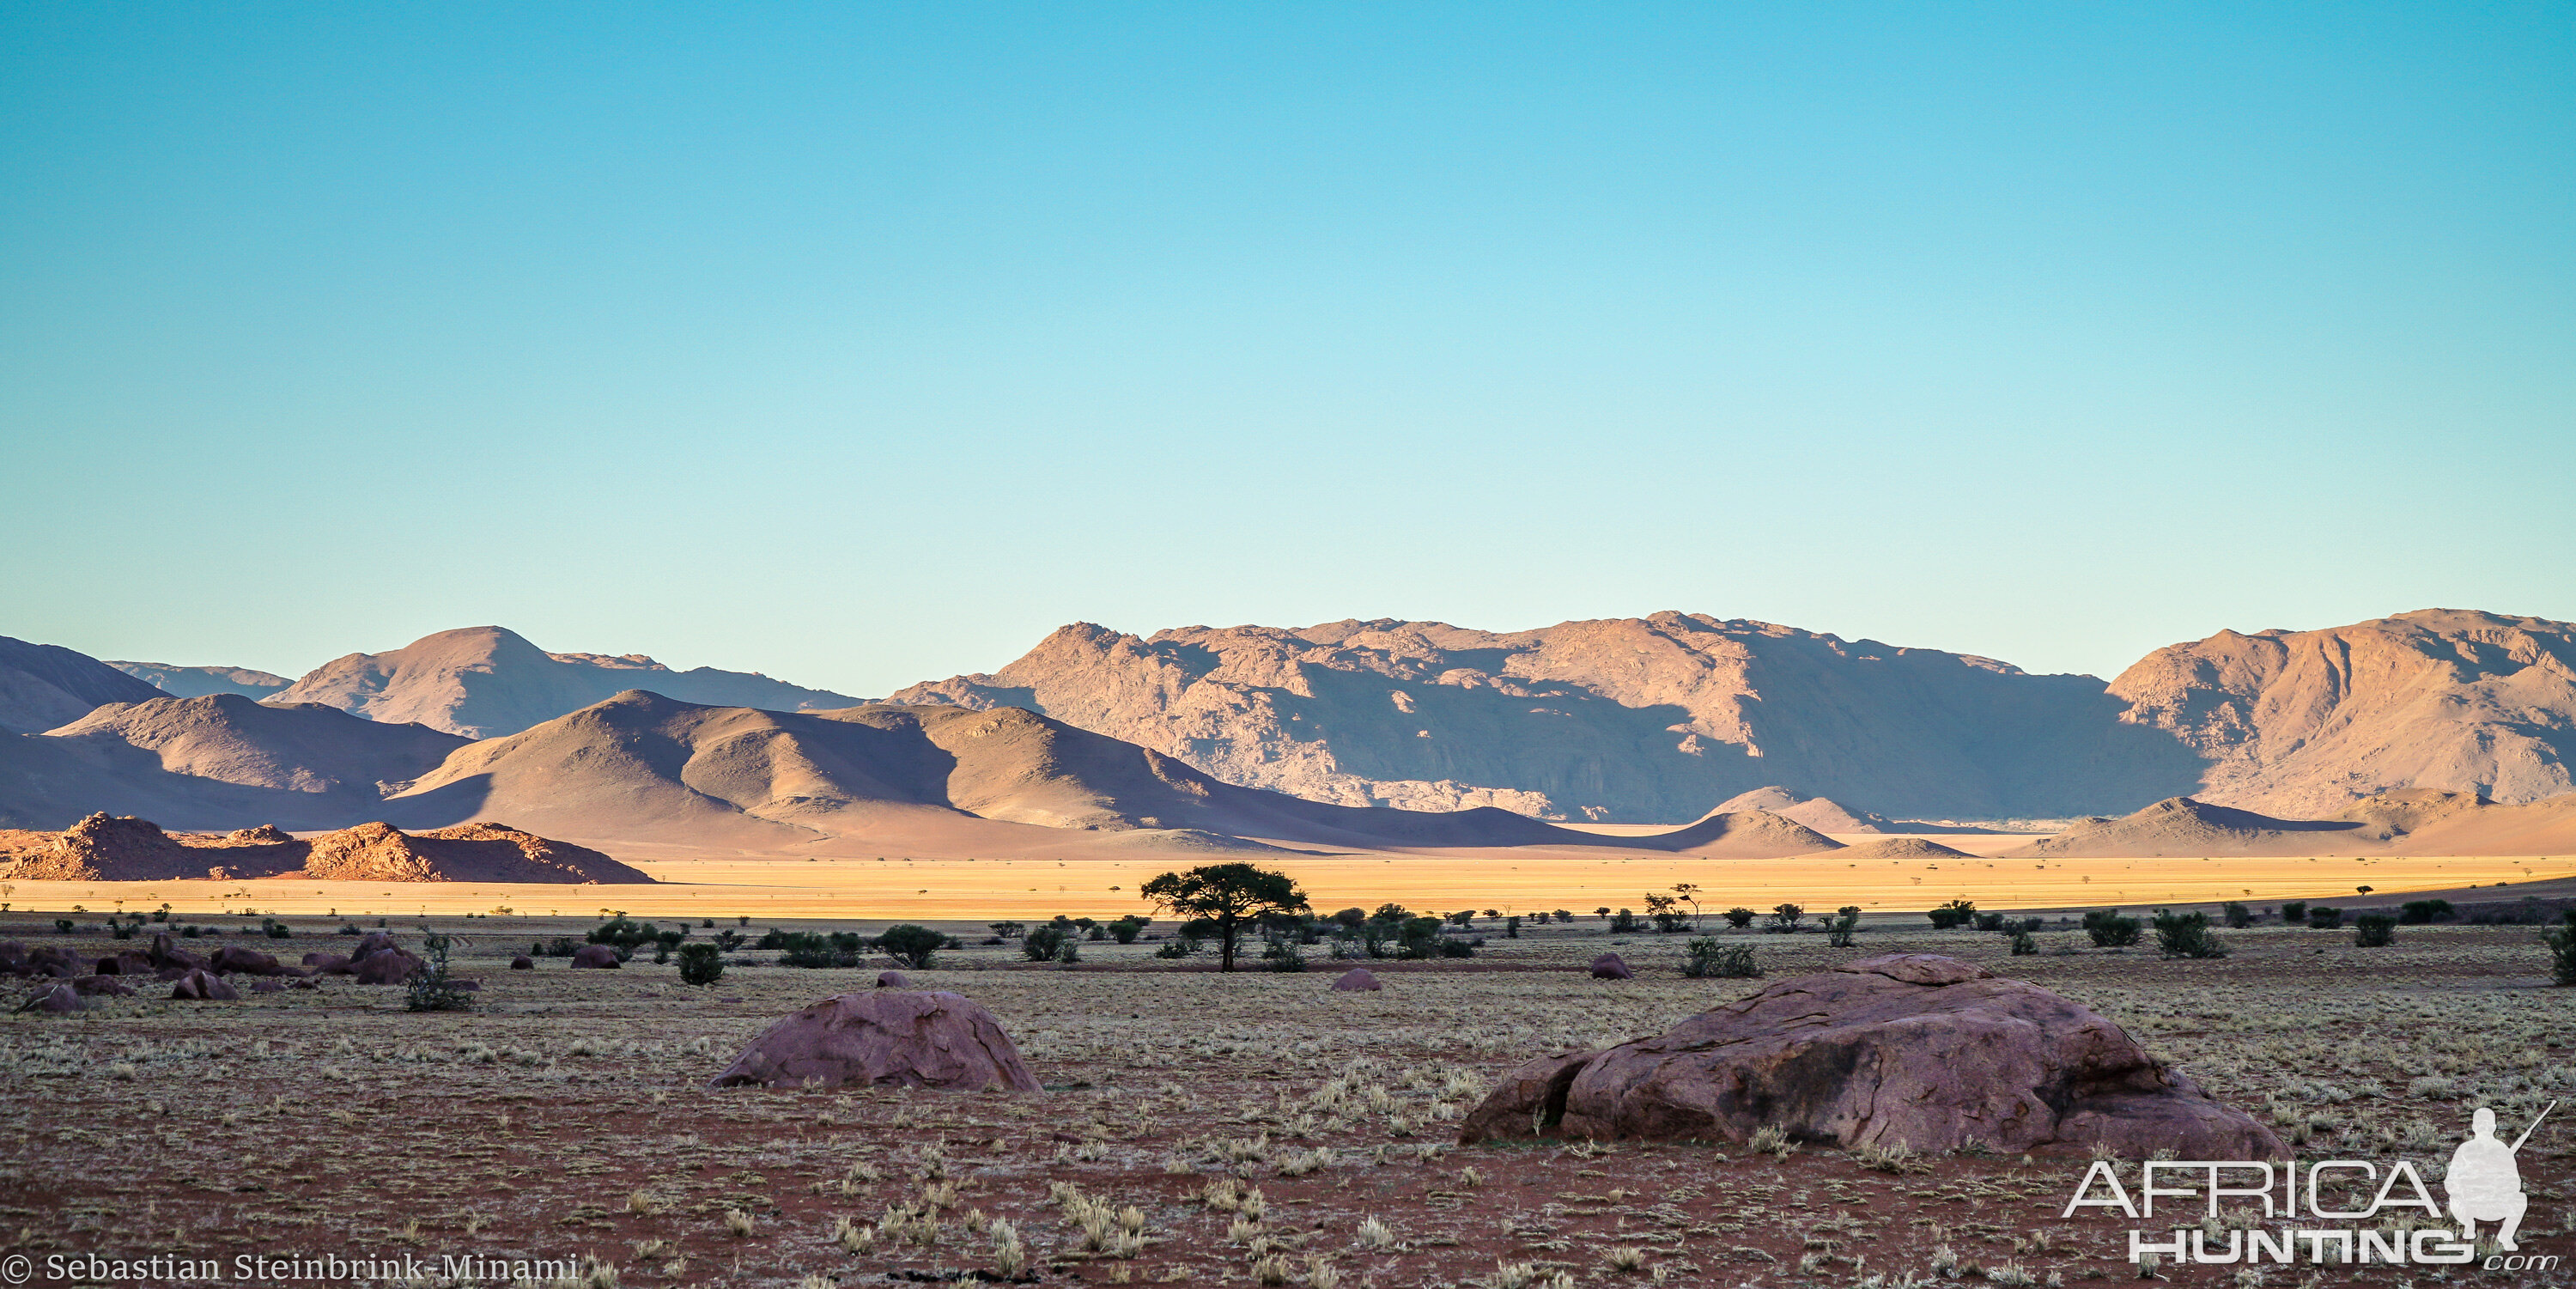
(1647,719)
(2305,722)
(486,682)
(1643,720)
(123,849)
(42,686)
(191,682)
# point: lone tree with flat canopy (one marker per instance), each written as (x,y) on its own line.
(1226,897)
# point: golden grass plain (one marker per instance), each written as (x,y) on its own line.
(897,888)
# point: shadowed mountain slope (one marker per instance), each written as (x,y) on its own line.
(42,686)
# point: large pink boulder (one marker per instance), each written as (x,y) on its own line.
(57,999)
(1357,980)
(1611,966)
(915,1039)
(1913,1049)
(597,956)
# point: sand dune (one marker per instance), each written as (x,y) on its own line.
(1738,834)
(227,738)
(1899,850)
(2418,822)
(1823,814)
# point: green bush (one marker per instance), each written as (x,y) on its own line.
(2236,915)
(430,989)
(1126,929)
(1838,930)
(1706,956)
(1786,917)
(816,949)
(1956,913)
(2186,935)
(2561,940)
(2374,930)
(1625,923)
(2419,912)
(1052,943)
(911,946)
(64,925)
(701,964)
(1740,917)
(2321,918)
(275,929)
(2109,930)
(2294,912)
(2023,945)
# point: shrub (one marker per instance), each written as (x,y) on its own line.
(430,989)
(1008,930)
(1280,954)
(1740,917)
(1043,943)
(1786,917)
(727,940)
(815,949)
(1990,921)
(275,929)
(1126,929)
(2294,912)
(2110,930)
(1563,916)
(1512,927)
(1838,932)
(701,964)
(2186,935)
(1956,913)
(2561,940)
(1705,956)
(2237,916)
(2419,912)
(561,946)
(910,945)
(2374,930)
(1625,923)
(2321,918)
(2023,945)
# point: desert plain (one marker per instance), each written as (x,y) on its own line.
(1253,1128)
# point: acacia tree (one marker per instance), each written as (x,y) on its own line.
(1225,897)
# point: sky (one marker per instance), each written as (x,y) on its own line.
(861,345)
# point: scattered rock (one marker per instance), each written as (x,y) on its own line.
(523,963)
(893,980)
(127,963)
(249,962)
(204,987)
(166,954)
(1611,966)
(268,986)
(106,985)
(329,964)
(1356,980)
(595,956)
(58,999)
(922,1039)
(386,967)
(1911,1049)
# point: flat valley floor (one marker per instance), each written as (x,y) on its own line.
(1261,1128)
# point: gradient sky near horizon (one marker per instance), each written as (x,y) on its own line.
(862,345)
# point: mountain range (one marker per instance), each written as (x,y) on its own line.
(1349,734)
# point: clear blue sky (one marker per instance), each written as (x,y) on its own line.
(865,345)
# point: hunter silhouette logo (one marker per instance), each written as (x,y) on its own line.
(2483,1182)
(2300,1213)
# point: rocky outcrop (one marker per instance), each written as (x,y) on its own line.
(1357,980)
(921,1039)
(1611,966)
(1917,1050)
(202,986)
(595,957)
(124,849)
